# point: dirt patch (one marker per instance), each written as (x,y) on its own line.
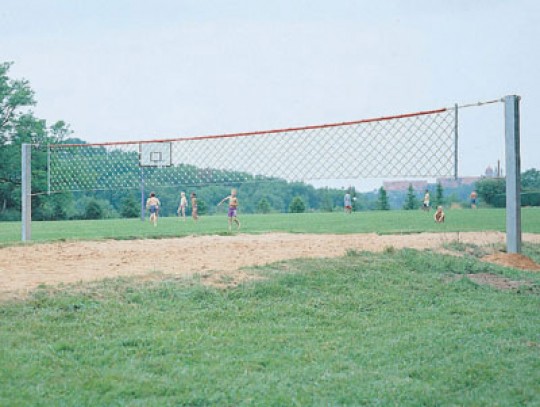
(495,281)
(515,260)
(24,268)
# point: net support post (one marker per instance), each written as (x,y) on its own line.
(456,135)
(513,174)
(26,192)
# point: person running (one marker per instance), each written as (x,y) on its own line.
(347,203)
(439,215)
(425,205)
(152,205)
(474,197)
(182,206)
(233,207)
(194,208)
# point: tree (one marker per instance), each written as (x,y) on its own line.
(18,127)
(202,207)
(263,206)
(14,95)
(439,195)
(297,205)
(327,205)
(411,202)
(530,179)
(55,207)
(130,207)
(489,188)
(93,210)
(382,200)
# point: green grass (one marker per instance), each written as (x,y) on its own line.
(363,222)
(395,328)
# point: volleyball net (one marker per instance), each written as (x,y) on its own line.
(421,144)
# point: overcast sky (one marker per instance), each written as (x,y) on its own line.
(134,70)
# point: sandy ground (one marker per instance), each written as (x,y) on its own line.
(23,268)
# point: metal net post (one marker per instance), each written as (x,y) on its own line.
(513,174)
(26,192)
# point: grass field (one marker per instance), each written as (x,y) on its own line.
(362,222)
(398,328)
(401,327)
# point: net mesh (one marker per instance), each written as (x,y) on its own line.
(414,145)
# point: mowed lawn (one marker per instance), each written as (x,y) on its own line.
(400,328)
(383,222)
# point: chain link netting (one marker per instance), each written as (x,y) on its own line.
(413,145)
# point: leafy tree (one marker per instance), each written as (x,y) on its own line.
(411,202)
(14,95)
(382,201)
(202,207)
(18,127)
(93,210)
(130,207)
(327,205)
(297,205)
(263,206)
(489,188)
(55,207)
(530,179)
(439,195)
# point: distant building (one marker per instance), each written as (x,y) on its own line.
(404,185)
(456,183)
(447,183)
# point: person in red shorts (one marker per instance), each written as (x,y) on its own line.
(347,203)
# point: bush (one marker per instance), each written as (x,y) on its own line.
(202,207)
(489,188)
(263,206)
(93,210)
(10,215)
(297,205)
(530,198)
(130,207)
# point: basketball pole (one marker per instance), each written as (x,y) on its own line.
(143,207)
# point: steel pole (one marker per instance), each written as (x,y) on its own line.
(513,174)
(143,206)
(456,134)
(26,192)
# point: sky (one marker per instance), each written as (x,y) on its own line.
(119,70)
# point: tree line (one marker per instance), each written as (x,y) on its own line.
(19,125)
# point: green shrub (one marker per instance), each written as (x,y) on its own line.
(529,198)
(130,207)
(263,206)
(93,210)
(297,205)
